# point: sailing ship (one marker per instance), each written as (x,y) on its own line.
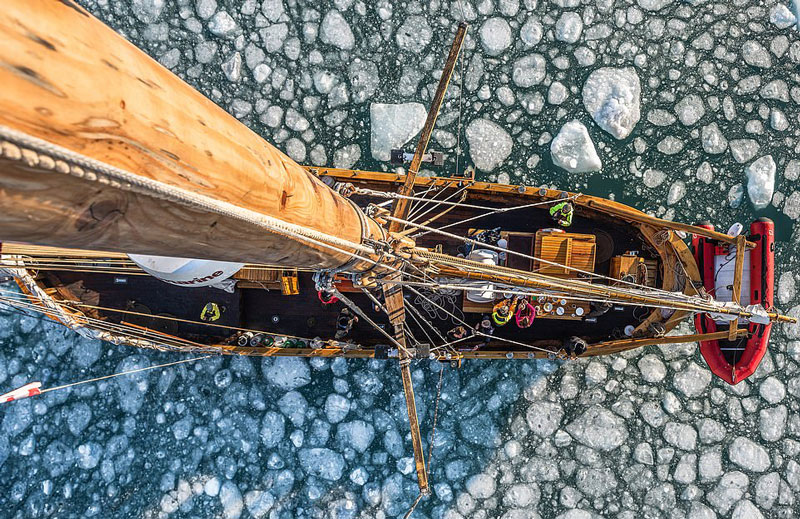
(142,214)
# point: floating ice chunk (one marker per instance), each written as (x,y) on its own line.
(652,369)
(147,11)
(660,117)
(206,8)
(569,27)
(414,35)
(776,89)
(85,353)
(676,192)
(713,140)
(787,288)
(781,17)
(211,487)
(258,503)
(653,5)
(294,407)
(670,145)
(232,67)
(611,96)
(132,388)
(599,428)
(323,463)
(495,36)
(693,380)
(481,486)
(791,207)
(572,149)
(748,455)
(756,55)
(557,93)
(772,422)
(735,195)
(287,372)
(274,35)
(222,25)
(489,144)
(78,417)
(690,109)
(273,429)
(336,408)
(531,31)
(778,121)
(544,418)
(272,9)
(89,455)
(393,125)
(231,500)
(744,149)
(347,156)
(205,51)
(746,510)
(296,149)
(761,181)
(357,435)
(772,390)
(364,79)
(653,178)
(336,31)
(682,436)
(529,70)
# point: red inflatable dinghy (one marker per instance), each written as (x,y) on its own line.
(734,361)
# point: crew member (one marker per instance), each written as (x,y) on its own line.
(486,330)
(502,312)
(562,213)
(211,312)
(344,323)
(458,333)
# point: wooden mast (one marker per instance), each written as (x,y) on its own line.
(393,294)
(73,82)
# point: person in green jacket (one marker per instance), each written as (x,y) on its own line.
(562,213)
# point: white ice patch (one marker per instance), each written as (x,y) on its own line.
(231,500)
(573,150)
(489,144)
(357,435)
(599,428)
(781,17)
(749,455)
(287,372)
(222,25)
(611,96)
(147,11)
(529,70)
(336,408)
(336,31)
(761,181)
(323,463)
(690,109)
(132,388)
(714,142)
(495,36)
(569,27)
(393,125)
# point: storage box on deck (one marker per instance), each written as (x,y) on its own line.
(564,248)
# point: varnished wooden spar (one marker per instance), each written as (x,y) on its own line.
(70,80)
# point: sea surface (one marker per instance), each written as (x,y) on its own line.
(690,111)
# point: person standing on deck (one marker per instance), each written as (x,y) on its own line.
(562,213)
(344,323)
(485,329)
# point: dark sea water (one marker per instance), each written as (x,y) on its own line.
(647,433)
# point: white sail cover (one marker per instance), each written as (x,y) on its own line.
(186,272)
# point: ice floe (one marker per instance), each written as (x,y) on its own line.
(612,97)
(572,149)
